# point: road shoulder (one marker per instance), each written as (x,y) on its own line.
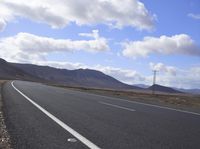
(4,136)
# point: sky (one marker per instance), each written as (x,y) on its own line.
(124,39)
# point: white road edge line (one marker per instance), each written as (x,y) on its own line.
(59,122)
(116,106)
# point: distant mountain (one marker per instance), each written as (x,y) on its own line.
(165,89)
(141,85)
(79,77)
(8,71)
(191,91)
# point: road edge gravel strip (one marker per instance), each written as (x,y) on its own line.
(5,142)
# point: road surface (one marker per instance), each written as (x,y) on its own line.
(44,117)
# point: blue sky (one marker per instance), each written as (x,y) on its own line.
(126,40)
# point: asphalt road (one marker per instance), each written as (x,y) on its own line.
(44,117)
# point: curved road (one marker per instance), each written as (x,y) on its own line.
(44,117)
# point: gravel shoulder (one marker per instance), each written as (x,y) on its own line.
(4,136)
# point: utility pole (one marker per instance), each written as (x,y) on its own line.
(154,81)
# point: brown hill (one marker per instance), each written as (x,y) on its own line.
(165,89)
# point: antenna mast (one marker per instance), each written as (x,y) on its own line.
(154,81)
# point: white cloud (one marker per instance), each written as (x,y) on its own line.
(175,77)
(59,13)
(181,44)
(183,79)
(2,25)
(195,71)
(125,75)
(194,16)
(25,46)
(94,34)
(160,67)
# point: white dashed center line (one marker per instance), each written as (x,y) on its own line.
(116,106)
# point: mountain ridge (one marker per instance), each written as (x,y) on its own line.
(8,71)
(78,77)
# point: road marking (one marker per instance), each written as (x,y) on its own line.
(116,106)
(147,104)
(73,140)
(156,106)
(59,122)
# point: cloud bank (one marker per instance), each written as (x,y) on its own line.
(26,46)
(181,44)
(59,13)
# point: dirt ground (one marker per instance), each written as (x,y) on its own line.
(4,137)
